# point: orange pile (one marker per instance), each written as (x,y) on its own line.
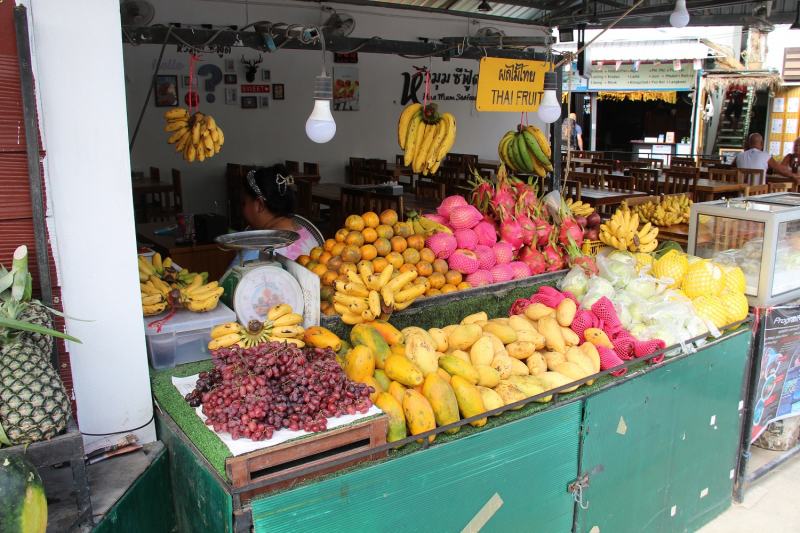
(377,241)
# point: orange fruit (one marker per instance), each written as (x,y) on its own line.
(379,263)
(320,270)
(337,248)
(324,258)
(399,245)
(316,252)
(453,277)
(334,262)
(351,254)
(369,235)
(383,246)
(464,285)
(403,229)
(439,265)
(368,252)
(407,267)
(437,280)
(365,264)
(371,219)
(341,234)
(421,280)
(395,259)
(303,260)
(344,267)
(384,231)
(448,288)
(328,277)
(389,217)
(410,255)
(426,254)
(423,267)
(328,244)
(323,305)
(354,238)
(326,292)
(311,265)
(433,292)
(416,242)
(354,223)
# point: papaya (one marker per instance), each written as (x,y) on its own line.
(469,399)
(489,377)
(389,333)
(366,335)
(422,353)
(403,371)
(359,363)
(464,336)
(394,412)
(443,401)
(442,372)
(381,377)
(343,350)
(457,367)
(399,349)
(510,393)
(320,337)
(413,329)
(397,390)
(553,380)
(419,414)
(491,400)
(441,339)
(530,386)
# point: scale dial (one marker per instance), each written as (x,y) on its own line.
(262,288)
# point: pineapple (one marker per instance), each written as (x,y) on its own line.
(736,306)
(711,308)
(671,265)
(702,278)
(733,280)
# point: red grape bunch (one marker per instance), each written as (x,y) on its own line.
(256,391)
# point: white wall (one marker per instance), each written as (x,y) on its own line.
(777,42)
(267,136)
(81,95)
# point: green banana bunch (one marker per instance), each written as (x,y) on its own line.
(526,150)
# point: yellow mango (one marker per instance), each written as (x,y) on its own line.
(589,349)
(554,338)
(456,367)
(530,386)
(576,355)
(510,393)
(565,312)
(491,400)
(571,370)
(470,402)
(503,364)
(472,318)
(489,377)
(464,336)
(570,337)
(537,311)
(503,332)
(497,344)
(482,352)
(520,349)
(440,337)
(519,323)
(536,364)
(518,368)
(420,352)
(464,356)
(553,380)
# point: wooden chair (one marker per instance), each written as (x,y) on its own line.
(311,168)
(354,200)
(722,166)
(598,169)
(593,155)
(450,177)
(585,178)
(400,160)
(430,190)
(155,174)
(680,182)
(177,192)
(781,187)
(376,165)
(642,200)
(645,180)
(293,166)
(303,189)
(379,179)
(682,162)
(728,176)
(652,163)
(619,183)
(604,162)
(362,176)
(624,165)
(381,202)
(572,189)
(751,176)
(705,161)
(755,190)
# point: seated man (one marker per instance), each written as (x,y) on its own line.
(756,158)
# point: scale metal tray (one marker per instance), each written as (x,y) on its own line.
(261,240)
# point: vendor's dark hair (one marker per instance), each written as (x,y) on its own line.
(282,205)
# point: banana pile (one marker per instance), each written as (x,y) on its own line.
(526,150)
(158,280)
(425,226)
(282,325)
(426,136)
(671,210)
(197,136)
(370,296)
(197,297)
(579,208)
(622,232)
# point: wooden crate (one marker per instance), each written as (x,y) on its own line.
(332,446)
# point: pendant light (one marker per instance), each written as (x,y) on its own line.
(549,108)
(680,17)
(320,126)
(484,6)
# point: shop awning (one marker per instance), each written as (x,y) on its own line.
(660,50)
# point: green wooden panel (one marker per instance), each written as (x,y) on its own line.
(658,447)
(202,505)
(151,492)
(528,463)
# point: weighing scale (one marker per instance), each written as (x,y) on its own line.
(253,287)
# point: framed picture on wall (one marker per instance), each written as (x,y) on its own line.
(265,75)
(277,91)
(230,96)
(185,80)
(249,102)
(230,79)
(264,101)
(166,91)
(230,65)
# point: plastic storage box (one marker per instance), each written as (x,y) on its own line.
(185,337)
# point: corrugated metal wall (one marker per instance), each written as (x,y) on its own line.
(16,224)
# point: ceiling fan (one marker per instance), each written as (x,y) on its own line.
(339,25)
(136,12)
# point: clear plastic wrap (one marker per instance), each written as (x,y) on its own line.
(617,272)
(596,288)
(576,281)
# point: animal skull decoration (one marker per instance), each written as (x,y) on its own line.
(252,68)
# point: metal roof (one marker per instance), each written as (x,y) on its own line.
(665,50)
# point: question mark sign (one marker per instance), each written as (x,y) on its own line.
(215,73)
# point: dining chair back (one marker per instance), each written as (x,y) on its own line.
(622,165)
(429,190)
(616,183)
(451,177)
(755,190)
(361,176)
(593,155)
(682,162)
(586,178)
(292,166)
(598,168)
(652,163)
(354,200)
(376,165)
(751,176)
(311,168)
(400,160)
(381,202)
(645,180)
(728,176)
(783,186)
(304,194)
(572,189)
(680,182)
(706,161)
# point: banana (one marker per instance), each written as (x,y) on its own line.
(177,136)
(375,303)
(209,143)
(346,299)
(176,113)
(649,247)
(365,273)
(358,307)
(146,267)
(157,264)
(411,138)
(142,277)
(288,331)
(450,136)
(221,136)
(162,287)
(388,297)
(196,133)
(225,341)
(201,154)
(650,237)
(292,319)
(147,289)
(352,289)
(386,275)
(645,229)
(353,277)
(395,284)
(540,170)
(278,311)
(409,294)
(530,140)
(150,310)
(205,294)
(401,306)
(541,139)
(195,284)
(341,309)
(373,282)
(203,306)
(225,329)
(152,299)
(501,148)
(178,125)
(351,319)
(421,130)
(441,130)
(210,122)
(405,119)
(192,153)
(522,151)
(167,263)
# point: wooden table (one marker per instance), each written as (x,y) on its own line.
(198,258)
(313,178)
(597,196)
(398,170)
(487,164)
(330,194)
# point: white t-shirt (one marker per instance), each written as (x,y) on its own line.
(753,158)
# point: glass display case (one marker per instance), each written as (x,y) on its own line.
(760,234)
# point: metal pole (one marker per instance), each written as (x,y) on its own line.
(556,142)
(594,122)
(750,394)
(34,171)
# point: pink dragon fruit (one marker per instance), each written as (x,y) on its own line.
(511,231)
(448,204)
(502,273)
(534,259)
(543,231)
(487,234)
(529,235)
(466,239)
(486,257)
(488,219)
(520,269)
(576,258)
(437,218)
(503,253)
(480,278)
(553,257)
(570,232)
(465,216)
(465,261)
(442,244)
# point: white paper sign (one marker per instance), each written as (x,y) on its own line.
(777,125)
(245,445)
(775,148)
(309,284)
(788,147)
(777,105)
(791,125)
(793,105)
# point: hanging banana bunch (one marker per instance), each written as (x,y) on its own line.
(426,136)
(197,135)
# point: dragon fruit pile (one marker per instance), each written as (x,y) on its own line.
(507,233)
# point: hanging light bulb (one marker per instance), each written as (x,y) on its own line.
(680,17)
(320,126)
(549,108)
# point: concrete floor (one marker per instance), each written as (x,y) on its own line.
(770,504)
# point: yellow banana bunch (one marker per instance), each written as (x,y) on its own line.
(579,208)
(159,277)
(424,226)
(526,150)
(368,296)
(282,325)
(671,210)
(197,136)
(622,232)
(425,136)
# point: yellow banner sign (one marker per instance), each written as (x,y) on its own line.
(510,84)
